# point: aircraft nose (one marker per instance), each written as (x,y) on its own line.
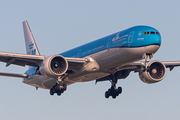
(155,39)
(158,39)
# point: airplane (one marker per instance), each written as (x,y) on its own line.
(107,59)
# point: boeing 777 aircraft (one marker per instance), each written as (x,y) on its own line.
(107,59)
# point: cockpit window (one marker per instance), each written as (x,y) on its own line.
(150,32)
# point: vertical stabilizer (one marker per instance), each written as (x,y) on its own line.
(31,47)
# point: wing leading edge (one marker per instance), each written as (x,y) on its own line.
(136,65)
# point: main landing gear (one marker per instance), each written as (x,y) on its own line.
(113,91)
(59,89)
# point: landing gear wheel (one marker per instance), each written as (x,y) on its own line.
(51,91)
(120,90)
(113,96)
(106,94)
(64,87)
(62,90)
(109,91)
(117,92)
(113,92)
(58,88)
(59,93)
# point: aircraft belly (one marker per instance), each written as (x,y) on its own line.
(88,77)
(41,81)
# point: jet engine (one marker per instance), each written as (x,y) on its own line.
(53,66)
(154,72)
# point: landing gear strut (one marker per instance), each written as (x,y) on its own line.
(113,91)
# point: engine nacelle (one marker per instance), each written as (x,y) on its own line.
(53,66)
(155,72)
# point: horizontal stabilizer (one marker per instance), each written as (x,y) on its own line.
(14,75)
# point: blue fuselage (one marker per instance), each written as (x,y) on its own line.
(129,38)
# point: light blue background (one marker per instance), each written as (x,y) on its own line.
(59,25)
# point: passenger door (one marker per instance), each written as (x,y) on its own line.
(130,37)
(79,53)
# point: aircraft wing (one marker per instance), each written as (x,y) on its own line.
(136,65)
(35,60)
(21,59)
(171,64)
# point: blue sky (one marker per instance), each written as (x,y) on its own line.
(61,25)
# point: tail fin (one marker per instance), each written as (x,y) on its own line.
(31,47)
